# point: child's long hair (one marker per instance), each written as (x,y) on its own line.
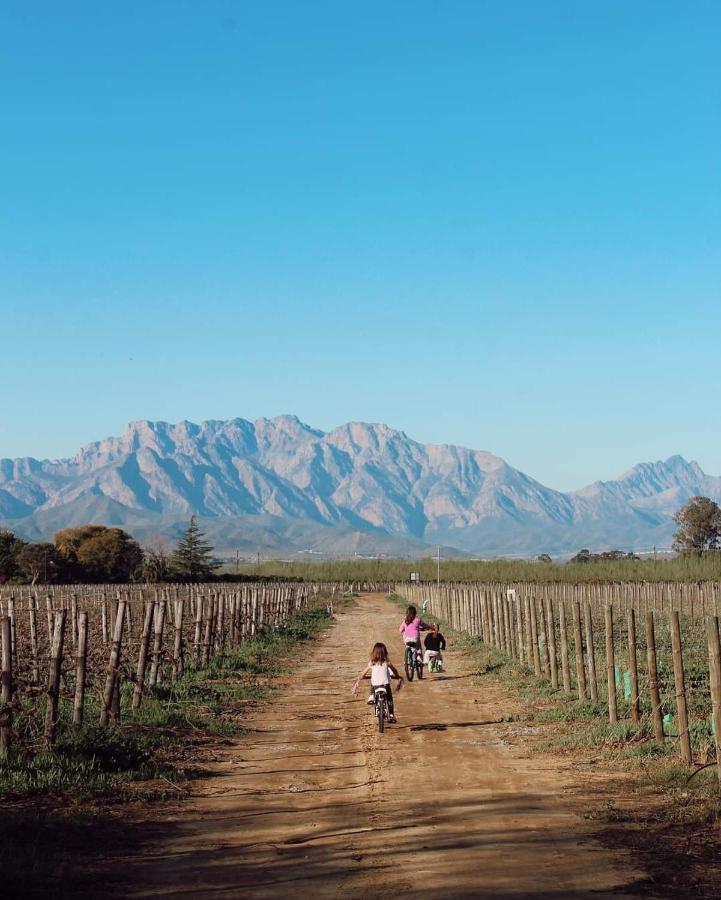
(379,654)
(410,614)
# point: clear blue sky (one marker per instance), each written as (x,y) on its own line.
(488,223)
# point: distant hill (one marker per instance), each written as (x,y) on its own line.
(279,486)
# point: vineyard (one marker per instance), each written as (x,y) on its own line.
(81,651)
(136,698)
(645,653)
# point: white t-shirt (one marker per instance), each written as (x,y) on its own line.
(380,674)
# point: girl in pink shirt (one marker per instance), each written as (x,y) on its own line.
(411,628)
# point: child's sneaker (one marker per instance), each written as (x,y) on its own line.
(371,700)
(392,719)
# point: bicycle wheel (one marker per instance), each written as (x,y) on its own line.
(381,713)
(419,666)
(409,664)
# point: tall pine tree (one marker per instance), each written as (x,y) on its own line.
(193,559)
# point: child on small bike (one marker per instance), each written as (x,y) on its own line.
(381,670)
(434,644)
(411,628)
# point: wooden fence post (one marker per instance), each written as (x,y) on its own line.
(143,655)
(681,709)
(542,636)
(633,668)
(519,628)
(6,689)
(104,619)
(611,668)
(534,637)
(81,655)
(578,640)
(13,633)
(73,619)
(178,642)
(35,671)
(590,653)
(219,644)
(56,663)
(565,668)
(197,644)
(654,694)
(158,625)
(714,657)
(113,664)
(205,659)
(551,642)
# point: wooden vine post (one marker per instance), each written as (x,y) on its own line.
(205,658)
(178,640)
(678,677)
(158,625)
(143,656)
(633,668)
(534,638)
(35,670)
(81,656)
(611,668)
(590,653)
(714,657)
(113,675)
(6,689)
(565,668)
(56,664)
(652,664)
(197,642)
(578,639)
(543,637)
(551,642)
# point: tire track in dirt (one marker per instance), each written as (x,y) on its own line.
(316,802)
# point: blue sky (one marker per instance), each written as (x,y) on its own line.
(488,223)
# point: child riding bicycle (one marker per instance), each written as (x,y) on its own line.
(381,670)
(434,644)
(411,628)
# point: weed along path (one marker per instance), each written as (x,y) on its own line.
(316,803)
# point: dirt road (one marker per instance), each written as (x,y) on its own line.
(317,804)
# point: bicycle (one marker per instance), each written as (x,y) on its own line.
(381,706)
(413,662)
(435,664)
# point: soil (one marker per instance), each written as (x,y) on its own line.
(314,802)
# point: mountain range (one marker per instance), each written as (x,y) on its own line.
(279,487)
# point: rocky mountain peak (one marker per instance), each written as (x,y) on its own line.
(366,476)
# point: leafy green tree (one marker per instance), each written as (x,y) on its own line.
(38,563)
(98,553)
(699,527)
(193,559)
(10,547)
(583,556)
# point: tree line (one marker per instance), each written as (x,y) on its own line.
(101,554)
(698,533)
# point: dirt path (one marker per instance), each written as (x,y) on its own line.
(317,804)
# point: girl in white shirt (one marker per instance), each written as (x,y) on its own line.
(381,670)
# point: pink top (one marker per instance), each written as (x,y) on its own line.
(413,631)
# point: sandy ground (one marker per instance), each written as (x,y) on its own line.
(317,803)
